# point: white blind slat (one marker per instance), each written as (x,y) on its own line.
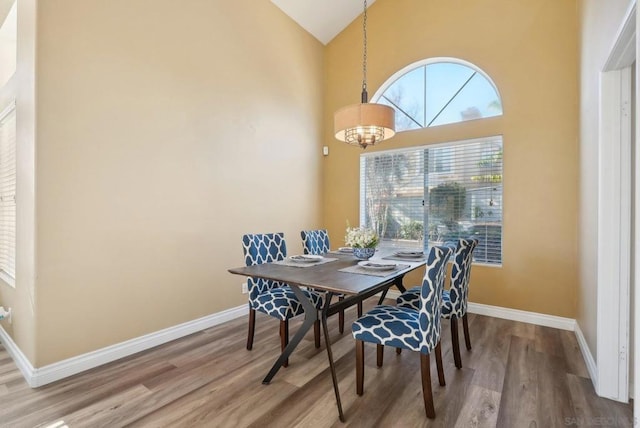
(8,190)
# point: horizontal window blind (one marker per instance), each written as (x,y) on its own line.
(8,191)
(428,196)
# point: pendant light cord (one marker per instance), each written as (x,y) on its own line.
(365,96)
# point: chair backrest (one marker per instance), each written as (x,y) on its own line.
(262,248)
(315,241)
(460,273)
(431,297)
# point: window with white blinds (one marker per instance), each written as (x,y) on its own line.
(8,191)
(426,196)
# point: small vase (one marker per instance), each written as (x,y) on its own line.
(363,253)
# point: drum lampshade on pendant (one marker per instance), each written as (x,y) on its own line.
(364,124)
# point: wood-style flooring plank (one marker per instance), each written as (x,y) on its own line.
(480,409)
(549,341)
(50,410)
(491,339)
(554,403)
(111,411)
(447,400)
(301,374)
(229,385)
(519,399)
(314,403)
(573,356)
(591,410)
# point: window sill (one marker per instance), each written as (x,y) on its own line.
(490,265)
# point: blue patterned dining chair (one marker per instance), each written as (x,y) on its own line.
(416,330)
(317,242)
(454,300)
(272,297)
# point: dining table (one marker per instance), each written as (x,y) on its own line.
(334,273)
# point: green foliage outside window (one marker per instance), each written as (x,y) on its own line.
(447,202)
(413,230)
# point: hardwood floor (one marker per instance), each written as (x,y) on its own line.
(517,375)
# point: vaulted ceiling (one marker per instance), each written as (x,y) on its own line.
(324,19)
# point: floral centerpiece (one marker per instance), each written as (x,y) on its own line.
(363,241)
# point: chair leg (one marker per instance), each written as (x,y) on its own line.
(427,394)
(359,309)
(455,342)
(252,328)
(316,333)
(398,351)
(439,365)
(465,327)
(284,339)
(379,354)
(341,318)
(359,367)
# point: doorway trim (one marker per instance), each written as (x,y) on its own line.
(614,215)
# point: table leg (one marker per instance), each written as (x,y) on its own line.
(383,296)
(310,317)
(332,366)
(398,283)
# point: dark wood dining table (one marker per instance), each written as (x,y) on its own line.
(327,277)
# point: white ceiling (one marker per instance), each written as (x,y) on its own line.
(322,18)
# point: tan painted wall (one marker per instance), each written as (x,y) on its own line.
(530,51)
(599,23)
(166,130)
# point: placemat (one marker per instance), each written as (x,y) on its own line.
(287,262)
(362,271)
(406,259)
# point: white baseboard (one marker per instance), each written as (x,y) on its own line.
(514,314)
(523,316)
(23,363)
(588,358)
(36,377)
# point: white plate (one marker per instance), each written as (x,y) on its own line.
(306,258)
(409,254)
(376,265)
(345,250)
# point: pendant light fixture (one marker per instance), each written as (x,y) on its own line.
(364,124)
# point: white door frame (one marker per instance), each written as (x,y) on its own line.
(614,215)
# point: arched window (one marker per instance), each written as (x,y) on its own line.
(439,91)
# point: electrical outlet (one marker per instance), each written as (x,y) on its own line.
(245,288)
